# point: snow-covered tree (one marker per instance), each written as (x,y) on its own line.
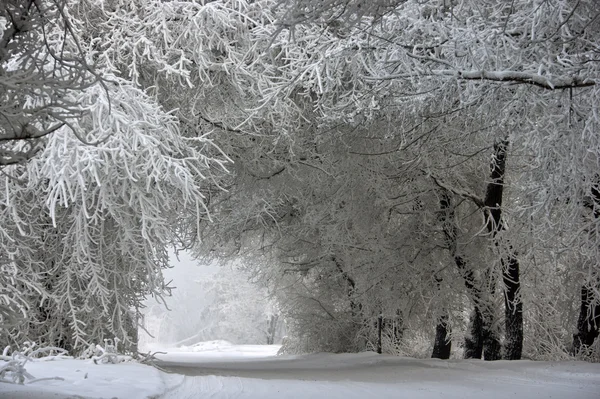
(456,83)
(93,222)
(86,225)
(396,163)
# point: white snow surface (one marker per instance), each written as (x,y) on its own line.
(83,379)
(218,369)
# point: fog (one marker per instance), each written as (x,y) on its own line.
(208,302)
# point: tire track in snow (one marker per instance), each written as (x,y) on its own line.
(358,376)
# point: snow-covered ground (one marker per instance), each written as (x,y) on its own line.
(83,379)
(221,370)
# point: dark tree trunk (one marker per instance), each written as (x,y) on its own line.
(513,309)
(355,307)
(588,323)
(272,329)
(492,349)
(442,344)
(482,330)
(474,336)
(379,329)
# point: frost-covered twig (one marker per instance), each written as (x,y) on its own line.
(150,359)
(109,353)
(14,370)
(461,193)
(47,379)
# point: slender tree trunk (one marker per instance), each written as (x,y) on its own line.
(442,345)
(355,307)
(379,329)
(474,336)
(272,329)
(483,335)
(513,309)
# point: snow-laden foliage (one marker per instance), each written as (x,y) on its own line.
(87,220)
(384,203)
(42,71)
(89,224)
(397,166)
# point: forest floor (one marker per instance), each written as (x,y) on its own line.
(221,370)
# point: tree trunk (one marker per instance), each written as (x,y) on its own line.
(492,349)
(272,329)
(442,344)
(513,309)
(355,307)
(379,329)
(474,336)
(588,322)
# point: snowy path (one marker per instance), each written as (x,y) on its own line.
(220,370)
(209,375)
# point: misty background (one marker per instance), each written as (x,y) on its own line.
(209,302)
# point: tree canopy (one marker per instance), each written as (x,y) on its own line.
(389,169)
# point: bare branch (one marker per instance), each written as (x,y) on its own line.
(461,193)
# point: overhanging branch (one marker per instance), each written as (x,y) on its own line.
(527,78)
(556,83)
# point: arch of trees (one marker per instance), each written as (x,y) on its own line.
(389,169)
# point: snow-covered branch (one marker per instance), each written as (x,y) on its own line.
(550,83)
(554,83)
